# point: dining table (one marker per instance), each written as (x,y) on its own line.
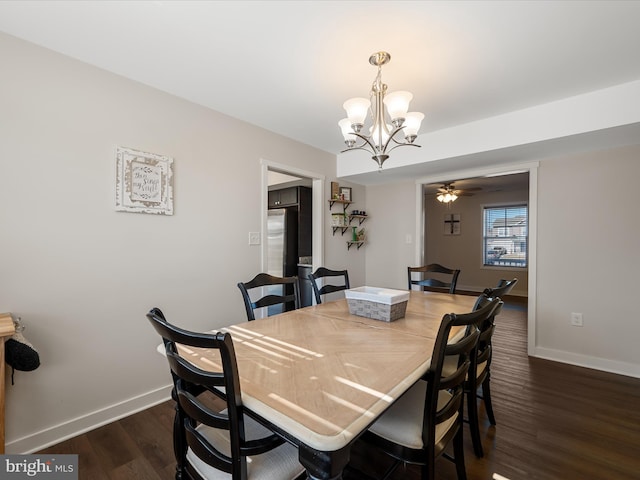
(320,376)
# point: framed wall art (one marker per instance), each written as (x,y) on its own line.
(144,182)
(345,194)
(335,190)
(452,224)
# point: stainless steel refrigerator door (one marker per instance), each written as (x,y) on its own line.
(275,241)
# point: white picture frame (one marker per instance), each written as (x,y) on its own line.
(144,182)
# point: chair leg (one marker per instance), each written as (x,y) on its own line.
(486,397)
(474,423)
(458,452)
(390,470)
(179,440)
(428,471)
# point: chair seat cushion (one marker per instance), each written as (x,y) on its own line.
(402,422)
(281,463)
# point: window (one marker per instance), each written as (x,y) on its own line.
(505,236)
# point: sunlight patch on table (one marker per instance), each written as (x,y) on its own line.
(307,413)
(367,390)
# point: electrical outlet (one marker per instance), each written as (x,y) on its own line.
(576,319)
(408,238)
(254,238)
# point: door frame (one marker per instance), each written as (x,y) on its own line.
(317,208)
(532,168)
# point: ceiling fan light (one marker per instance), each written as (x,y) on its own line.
(440,198)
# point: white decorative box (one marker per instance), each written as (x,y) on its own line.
(377,303)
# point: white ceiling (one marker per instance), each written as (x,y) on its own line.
(288,66)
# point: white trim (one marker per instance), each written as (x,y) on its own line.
(596,363)
(85,423)
(533,260)
(532,168)
(419,236)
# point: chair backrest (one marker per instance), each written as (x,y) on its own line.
(280,292)
(432,278)
(189,381)
(461,353)
(484,350)
(503,288)
(324,274)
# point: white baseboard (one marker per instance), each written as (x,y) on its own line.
(603,364)
(77,426)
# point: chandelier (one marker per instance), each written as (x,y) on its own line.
(381,134)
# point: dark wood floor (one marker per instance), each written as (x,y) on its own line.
(555,421)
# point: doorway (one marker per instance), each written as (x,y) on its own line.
(532,170)
(283,176)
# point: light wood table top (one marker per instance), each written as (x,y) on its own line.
(323,375)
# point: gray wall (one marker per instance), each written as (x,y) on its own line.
(587,255)
(81,275)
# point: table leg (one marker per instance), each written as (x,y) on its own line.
(323,465)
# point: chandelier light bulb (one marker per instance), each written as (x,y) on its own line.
(379,135)
(397,104)
(347,132)
(357,110)
(412,125)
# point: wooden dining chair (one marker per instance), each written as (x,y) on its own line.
(503,288)
(213,439)
(324,275)
(433,277)
(428,417)
(480,374)
(277,294)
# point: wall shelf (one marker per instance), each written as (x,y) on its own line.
(358,244)
(343,228)
(359,218)
(356,219)
(345,204)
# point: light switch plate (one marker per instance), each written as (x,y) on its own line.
(254,238)
(576,319)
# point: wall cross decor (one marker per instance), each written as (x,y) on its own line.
(452,224)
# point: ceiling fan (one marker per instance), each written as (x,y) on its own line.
(449,193)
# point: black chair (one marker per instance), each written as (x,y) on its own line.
(482,365)
(480,374)
(280,294)
(324,274)
(217,440)
(503,288)
(433,277)
(429,416)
